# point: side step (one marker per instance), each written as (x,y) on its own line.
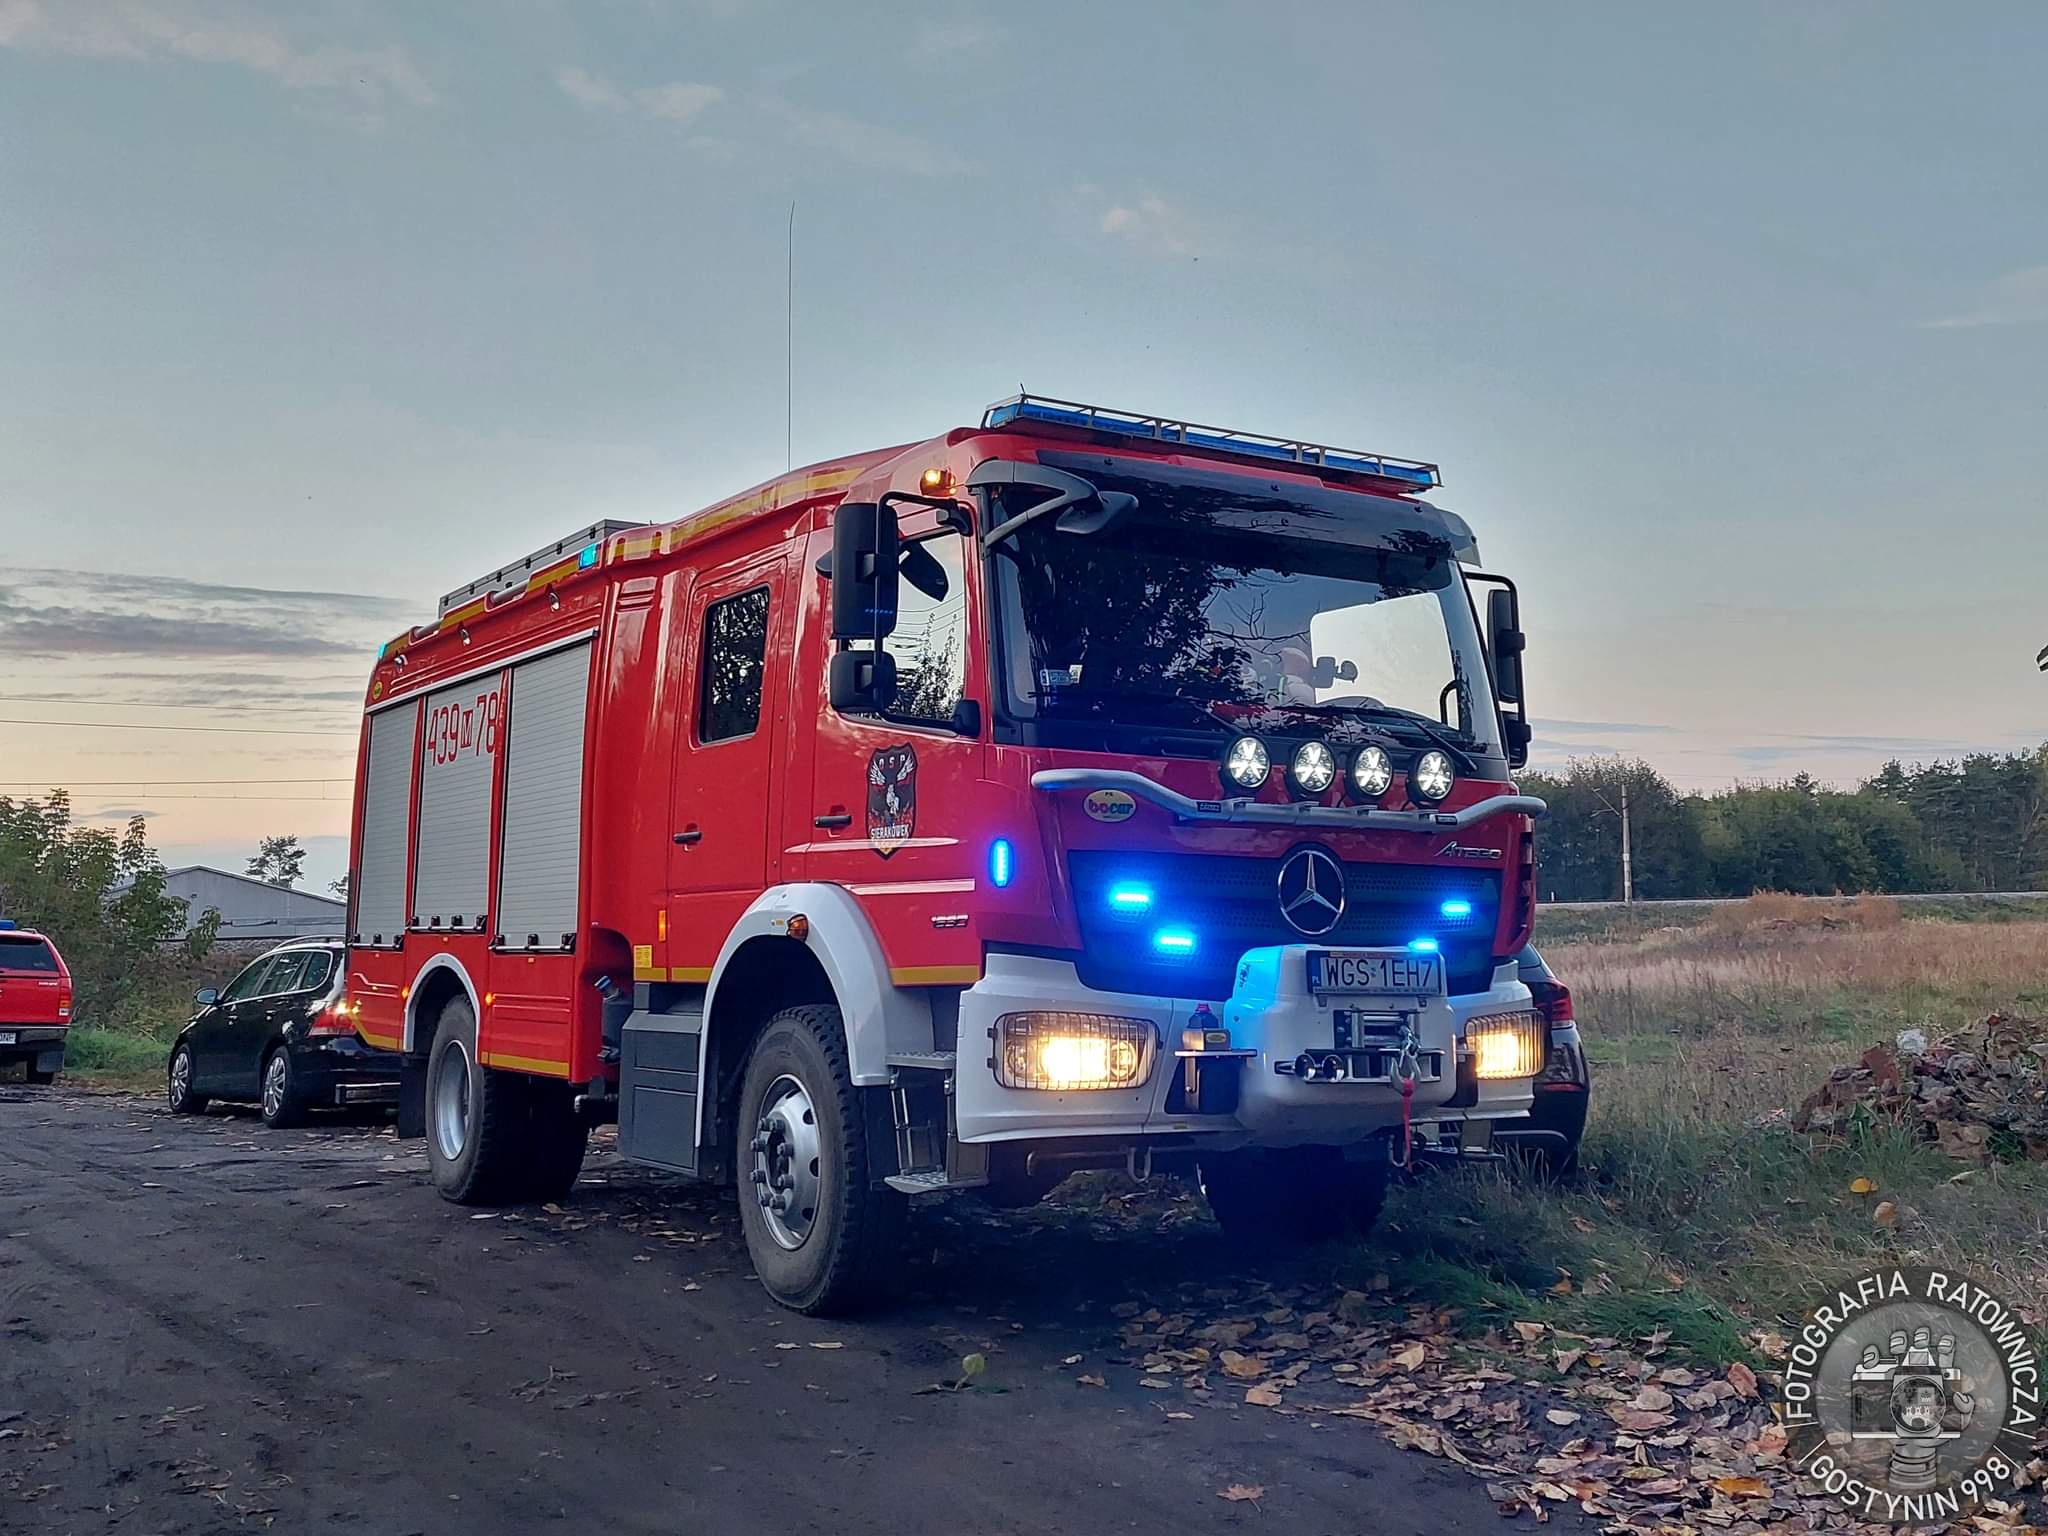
(933,1181)
(929,1061)
(921,1105)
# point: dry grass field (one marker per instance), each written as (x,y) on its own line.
(1701,1209)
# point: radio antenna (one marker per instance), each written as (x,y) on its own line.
(789,345)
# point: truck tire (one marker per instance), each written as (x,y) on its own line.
(555,1140)
(1294,1194)
(474,1117)
(820,1230)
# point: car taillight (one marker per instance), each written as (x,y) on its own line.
(336,1019)
(1553,1001)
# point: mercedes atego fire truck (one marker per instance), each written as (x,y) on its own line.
(1078,790)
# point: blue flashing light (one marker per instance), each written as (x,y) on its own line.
(1089,418)
(1423,946)
(1456,907)
(7,923)
(588,558)
(1174,941)
(1001,863)
(1130,898)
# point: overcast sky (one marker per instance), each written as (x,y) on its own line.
(1728,324)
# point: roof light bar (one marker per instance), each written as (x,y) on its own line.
(1159,429)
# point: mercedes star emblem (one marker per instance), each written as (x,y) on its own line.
(1311,891)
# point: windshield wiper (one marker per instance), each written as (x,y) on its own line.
(1434,730)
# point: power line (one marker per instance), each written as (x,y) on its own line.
(247,799)
(203,730)
(74,698)
(152,783)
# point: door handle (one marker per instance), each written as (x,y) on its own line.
(834,821)
(695,834)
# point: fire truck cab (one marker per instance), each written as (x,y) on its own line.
(1080,789)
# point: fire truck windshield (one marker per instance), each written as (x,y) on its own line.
(1172,619)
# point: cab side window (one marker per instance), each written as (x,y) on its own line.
(930,638)
(735,648)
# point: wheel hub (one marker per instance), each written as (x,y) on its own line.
(273,1085)
(181,1076)
(450,1110)
(786,1162)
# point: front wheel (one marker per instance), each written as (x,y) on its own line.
(283,1106)
(178,1092)
(819,1230)
(1294,1194)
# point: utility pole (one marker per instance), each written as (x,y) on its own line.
(1628,873)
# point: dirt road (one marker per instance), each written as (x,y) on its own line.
(208,1326)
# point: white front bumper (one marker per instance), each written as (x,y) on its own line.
(1272,1012)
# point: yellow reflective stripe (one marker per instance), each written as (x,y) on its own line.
(524,1063)
(935,975)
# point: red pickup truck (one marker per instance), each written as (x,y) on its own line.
(35,1003)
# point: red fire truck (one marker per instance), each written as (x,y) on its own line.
(1078,790)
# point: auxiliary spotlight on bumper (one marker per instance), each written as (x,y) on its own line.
(1506,1045)
(1073,1051)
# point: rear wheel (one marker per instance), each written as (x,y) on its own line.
(555,1139)
(821,1234)
(473,1146)
(283,1106)
(178,1083)
(1294,1194)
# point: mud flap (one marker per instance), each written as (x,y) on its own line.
(412,1099)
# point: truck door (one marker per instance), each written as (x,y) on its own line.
(893,794)
(728,771)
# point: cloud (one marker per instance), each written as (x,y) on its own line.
(2015,298)
(1151,223)
(208,34)
(862,143)
(953,41)
(680,101)
(82,614)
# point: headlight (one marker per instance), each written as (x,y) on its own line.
(1432,776)
(1506,1045)
(1314,769)
(1072,1051)
(1372,771)
(1246,764)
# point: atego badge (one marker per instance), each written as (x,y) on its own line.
(1912,1396)
(892,797)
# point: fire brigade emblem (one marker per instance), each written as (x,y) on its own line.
(1912,1397)
(892,797)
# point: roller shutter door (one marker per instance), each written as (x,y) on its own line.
(458,762)
(379,885)
(542,859)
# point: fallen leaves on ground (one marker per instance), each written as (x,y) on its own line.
(1976,1094)
(1617,1429)
(1242,1493)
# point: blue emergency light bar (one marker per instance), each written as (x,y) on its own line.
(1158,429)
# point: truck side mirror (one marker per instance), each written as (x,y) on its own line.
(862,682)
(865,548)
(1505,643)
(1505,638)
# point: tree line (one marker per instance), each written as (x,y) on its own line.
(1977,823)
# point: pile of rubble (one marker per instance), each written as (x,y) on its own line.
(1978,1095)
